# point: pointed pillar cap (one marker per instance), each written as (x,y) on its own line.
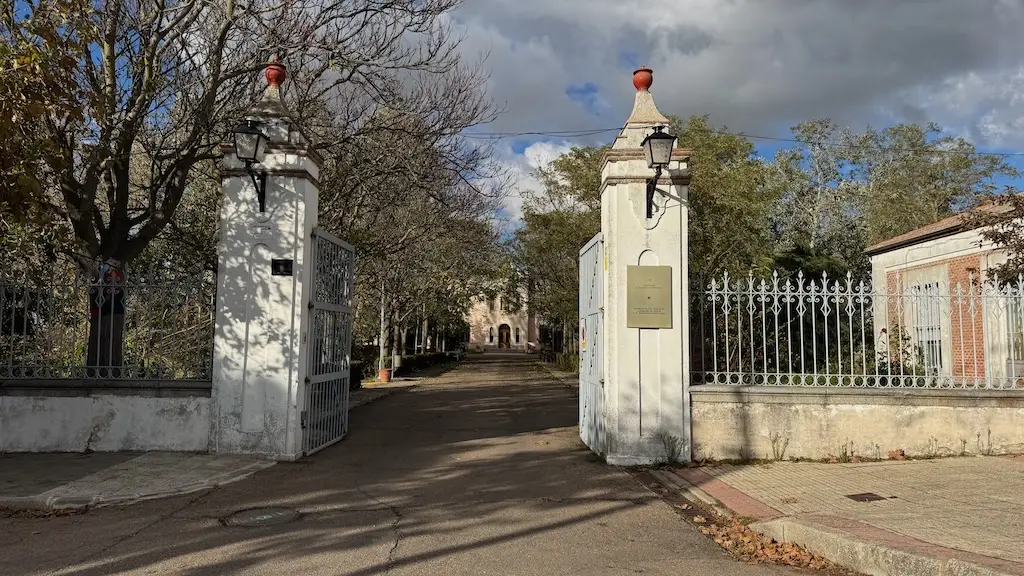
(645,111)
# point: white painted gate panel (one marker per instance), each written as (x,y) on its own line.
(591,416)
(325,411)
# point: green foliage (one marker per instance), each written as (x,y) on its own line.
(842,191)
(568,362)
(38,84)
(548,247)
(730,204)
(557,222)
(813,263)
(1001,219)
(916,175)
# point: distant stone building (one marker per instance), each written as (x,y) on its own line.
(497,323)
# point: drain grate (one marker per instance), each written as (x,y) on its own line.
(865,497)
(256,517)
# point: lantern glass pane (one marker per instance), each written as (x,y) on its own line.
(661,151)
(247,145)
(648,151)
(261,145)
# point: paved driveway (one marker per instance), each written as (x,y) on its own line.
(476,472)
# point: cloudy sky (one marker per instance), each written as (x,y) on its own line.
(757,66)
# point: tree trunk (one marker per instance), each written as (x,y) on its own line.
(426,332)
(417,346)
(105,349)
(396,351)
(105,354)
(383,337)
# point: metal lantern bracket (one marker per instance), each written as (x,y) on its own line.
(652,187)
(249,157)
(658,147)
(259,181)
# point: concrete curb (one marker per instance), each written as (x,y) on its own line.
(75,502)
(865,556)
(692,493)
(839,547)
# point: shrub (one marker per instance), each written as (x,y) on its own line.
(568,362)
(420,361)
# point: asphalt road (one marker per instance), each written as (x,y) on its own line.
(477,472)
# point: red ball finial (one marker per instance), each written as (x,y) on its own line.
(275,72)
(643,77)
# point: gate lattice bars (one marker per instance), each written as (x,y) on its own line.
(910,333)
(591,406)
(325,414)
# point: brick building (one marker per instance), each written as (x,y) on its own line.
(935,294)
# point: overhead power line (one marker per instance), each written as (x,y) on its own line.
(584,133)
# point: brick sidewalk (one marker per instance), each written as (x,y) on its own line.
(960,510)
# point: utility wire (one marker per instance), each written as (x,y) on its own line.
(596,131)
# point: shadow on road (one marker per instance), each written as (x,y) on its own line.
(485,456)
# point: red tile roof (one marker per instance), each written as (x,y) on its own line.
(945,227)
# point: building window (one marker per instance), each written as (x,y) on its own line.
(928,324)
(517,335)
(490,304)
(490,334)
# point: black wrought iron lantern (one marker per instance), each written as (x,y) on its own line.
(250,145)
(658,149)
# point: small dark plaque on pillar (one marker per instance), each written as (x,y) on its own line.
(281,267)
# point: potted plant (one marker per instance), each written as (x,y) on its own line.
(384,370)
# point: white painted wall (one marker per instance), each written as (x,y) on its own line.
(646,370)
(104,423)
(782,423)
(260,349)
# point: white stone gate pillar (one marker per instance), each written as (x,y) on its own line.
(263,286)
(647,410)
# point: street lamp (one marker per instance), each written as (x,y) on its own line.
(658,148)
(249,147)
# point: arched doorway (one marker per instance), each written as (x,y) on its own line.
(504,336)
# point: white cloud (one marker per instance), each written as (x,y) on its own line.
(756,65)
(523,168)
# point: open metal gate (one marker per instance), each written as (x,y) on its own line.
(325,412)
(592,420)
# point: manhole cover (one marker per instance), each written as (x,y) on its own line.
(261,517)
(865,497)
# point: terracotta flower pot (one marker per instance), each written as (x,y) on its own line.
(643,77)
(384,375)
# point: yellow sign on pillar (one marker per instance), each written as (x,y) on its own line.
(649,296)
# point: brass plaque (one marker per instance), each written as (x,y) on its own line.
(649,296)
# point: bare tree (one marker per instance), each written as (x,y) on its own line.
(166,79)
(156,86)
